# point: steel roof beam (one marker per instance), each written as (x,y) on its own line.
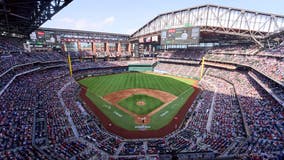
(235,21)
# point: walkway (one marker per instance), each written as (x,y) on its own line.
(67,112)
(211,112)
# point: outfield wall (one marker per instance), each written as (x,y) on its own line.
(90,72)
(140,67)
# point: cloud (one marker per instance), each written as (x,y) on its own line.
(109,20)
(67,20)
(131,30)
(81,23)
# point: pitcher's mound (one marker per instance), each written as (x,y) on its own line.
(140,103)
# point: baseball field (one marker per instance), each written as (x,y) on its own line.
(138,101)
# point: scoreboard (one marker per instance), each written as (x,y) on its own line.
(186,35)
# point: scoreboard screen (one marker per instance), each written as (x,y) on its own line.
(186,35)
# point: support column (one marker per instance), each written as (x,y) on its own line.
(94,48)
(64,48)
(119,48)
(129,47)
(79,46)
(107,48)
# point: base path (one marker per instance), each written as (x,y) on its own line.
(115,97)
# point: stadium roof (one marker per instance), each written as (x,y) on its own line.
(217,19)
(81,31)
(24,16)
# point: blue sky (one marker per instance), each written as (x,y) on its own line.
(126,16)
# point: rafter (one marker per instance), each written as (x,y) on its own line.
(24,16)
(238,21)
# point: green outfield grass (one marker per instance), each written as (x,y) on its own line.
(130,104)
(97,87)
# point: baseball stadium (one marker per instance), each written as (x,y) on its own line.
(203,82)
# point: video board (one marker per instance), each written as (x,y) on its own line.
(41,38)
(186,35)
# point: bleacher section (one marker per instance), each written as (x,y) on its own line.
(234,117)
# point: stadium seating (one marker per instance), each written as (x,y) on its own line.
(188,54)
(9,45)
(269,65)
(234,115)
(178,69)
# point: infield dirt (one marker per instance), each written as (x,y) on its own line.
(115,97)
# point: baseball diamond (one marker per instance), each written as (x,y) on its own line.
(97,81)
(103,80)
(118,94)
(146,104)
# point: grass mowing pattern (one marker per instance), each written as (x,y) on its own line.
(116,115)
(182,79)
(166,115)
(151,103)
(103,85)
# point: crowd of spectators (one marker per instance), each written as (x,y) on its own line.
(98,64)
(217,142)
(98,54)
(251,95)
(7,61)
(143,61)
(18,103)
(262,113)
(227,118)
(185,141)
(181,61)
(26,152)
(79,115)
(235,49)
(278,51)
(133,148)
(104,64)
(187,54)
(257,148)
(31,113)
(271,66)
(10,44)
(200,115)
(226,123)
(72,149)
(65,150)
(158,146)
(35,123)
(9,75)
(221,65)
(186,70)
(270,85)
(218,139)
